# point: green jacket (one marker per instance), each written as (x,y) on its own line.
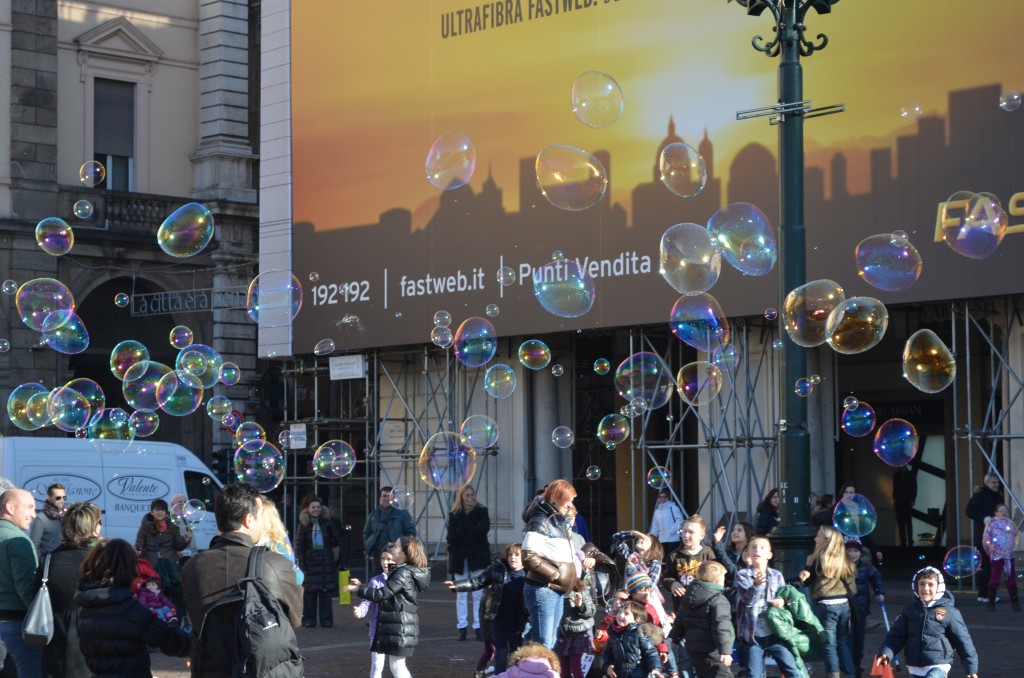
(18,565)
(795,624)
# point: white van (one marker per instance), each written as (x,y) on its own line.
(121,483)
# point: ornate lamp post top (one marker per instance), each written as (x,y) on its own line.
(789,23)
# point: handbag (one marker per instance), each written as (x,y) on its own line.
(37,629)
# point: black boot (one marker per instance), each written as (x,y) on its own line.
(1014,602)
(462,634)
(478,636)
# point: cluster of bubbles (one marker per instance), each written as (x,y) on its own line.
(47,306)
(334,459)
(447,461)
(854,516)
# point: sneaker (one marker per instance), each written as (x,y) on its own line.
(997,599)
(982,599)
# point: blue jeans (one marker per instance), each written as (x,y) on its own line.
(545,608)
(836,620)
(28,659)
(774,648)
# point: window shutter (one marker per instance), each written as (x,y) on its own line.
(114,119)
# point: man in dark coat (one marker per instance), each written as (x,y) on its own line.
(385,525)
(980,509)
(214,573)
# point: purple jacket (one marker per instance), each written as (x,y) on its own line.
(377,582)
(530,667)
(154,600)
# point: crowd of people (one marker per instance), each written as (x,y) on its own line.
(548,606)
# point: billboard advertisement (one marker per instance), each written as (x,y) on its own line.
(379,249)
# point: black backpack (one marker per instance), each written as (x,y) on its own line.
(265,641)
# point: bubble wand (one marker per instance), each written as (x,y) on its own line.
(885,618)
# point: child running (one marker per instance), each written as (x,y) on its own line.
(398,626)
(366,607)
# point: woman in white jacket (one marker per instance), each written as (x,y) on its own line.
(665,524)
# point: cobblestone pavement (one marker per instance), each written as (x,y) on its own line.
(344,650)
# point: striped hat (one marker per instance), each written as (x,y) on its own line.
(636,580)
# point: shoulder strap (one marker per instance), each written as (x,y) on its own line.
(46,568)
(255,563)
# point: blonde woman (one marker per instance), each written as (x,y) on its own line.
(469,554)
(832,578)
(275,537)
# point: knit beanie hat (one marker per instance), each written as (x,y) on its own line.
(637,579)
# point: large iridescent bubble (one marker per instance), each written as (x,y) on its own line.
(534,354)
(200,361)
(180,336)
(612,430)
(65,332)
(597,99)
(855,516)
(109,430)
(274,298)
(564,288)
(447,461)
(124,355)
(451,160)
(961,561)
(334,459)
(140,384)
(927,364)
(179,393)
(563,437)
(683,170)
(1000,538)
(54,236)
(746,238)
(699,321)
(18,405)
(186,231)
(249,431)
(91,391)
(896,442)
(806,311)
(500,381)
(973,224)
(218,407)
(856,325)
(888,262)
(659,477)
(858,421)
(699,382)
(68,409)
(38,298)
(570,178)
(260,464)
(144,423)
(645,375)
(480,430)
(475,342)
(690,260)
(36,411)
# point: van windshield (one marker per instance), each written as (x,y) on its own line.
(202,487)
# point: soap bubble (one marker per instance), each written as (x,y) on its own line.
(771,313)
(314,277)
(10,287)
(690,260)
(284,438)
(927,364)
(334,459)
(121,300)
(36,409)
(746,238)
(637,406)
(324,347)
(602,366)
(856,325)
(218,406)
(499,381)
(850,403)
(659,477)
(451,161)
(896,442)
(274,298)
(888,262)
(180,336)
(54,236)
(447,461)
(442,319)
(232,420)
(38,298)
(854,516)
(1009,100)
(534,354)
(597,99)
(201,361)
(777,344)
(92,173)
(1000,538)
(260,464)
(806,311)
(5,345)
(593,473)
(480,430)
(910,111)
(144,423)
(699,382)
(401,497)
(65,332)
(570,178)
(645,375)
(506,276)
(492,310)
(557,370)
(186,231)
(726,357)
(961,561)
(858,420)
(564,289)
(179,393)
(249,431)
(83,209)
(441,337)
(699,321)
(803,387)
(613,429)
(229,374)
(91,391)
(475,342)
(124,355)
(68,409)
(683,170)
(973,224)
(563,437)
(193,511)
(110,430)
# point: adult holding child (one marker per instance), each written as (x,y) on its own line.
(469,554)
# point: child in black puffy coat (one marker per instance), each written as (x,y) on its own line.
(628,653)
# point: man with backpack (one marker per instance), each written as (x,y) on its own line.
(242,625)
